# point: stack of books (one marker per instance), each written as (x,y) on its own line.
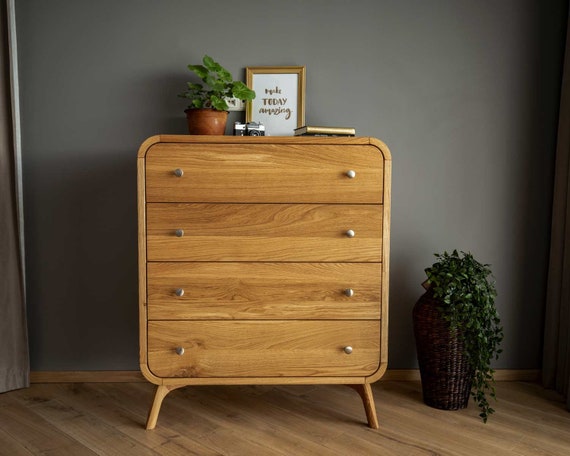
(324,131)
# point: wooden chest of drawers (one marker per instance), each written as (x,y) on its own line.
(263,260)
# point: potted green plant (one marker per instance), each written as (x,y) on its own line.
(458,333)
(208,109)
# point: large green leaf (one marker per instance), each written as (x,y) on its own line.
(224,75)
(242,92)
(209,63)
(218,103)
(217,85)
(199,70)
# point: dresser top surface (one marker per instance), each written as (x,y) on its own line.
(296,140)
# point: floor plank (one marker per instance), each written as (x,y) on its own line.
(11,446)
(109,419)
(35,433)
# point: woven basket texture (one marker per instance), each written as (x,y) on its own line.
(444,369)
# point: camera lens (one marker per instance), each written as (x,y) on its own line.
(253,133)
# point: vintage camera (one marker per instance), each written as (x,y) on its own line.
(249,129)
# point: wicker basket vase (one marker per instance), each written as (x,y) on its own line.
(445,372)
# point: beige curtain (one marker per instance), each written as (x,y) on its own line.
(556,357)
(14,358)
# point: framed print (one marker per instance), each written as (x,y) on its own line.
(279,103)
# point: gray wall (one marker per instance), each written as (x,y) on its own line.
(465,93)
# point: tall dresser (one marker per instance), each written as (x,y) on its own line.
(263,260)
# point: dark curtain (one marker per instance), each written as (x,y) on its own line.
(14,358)
(556,357)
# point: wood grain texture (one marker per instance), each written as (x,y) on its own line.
(161,392)
(263,348)
(276,420)
(386,221)
(365,393)
(245,203)
(150,142)
(266,173)
(264,232)
(264,290)
(141,214)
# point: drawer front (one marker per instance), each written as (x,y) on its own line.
(264,232)
(185,291)
(263,348)
(260,173)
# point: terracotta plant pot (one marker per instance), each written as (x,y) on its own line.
(206,121)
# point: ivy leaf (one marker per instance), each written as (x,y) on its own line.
(466,289)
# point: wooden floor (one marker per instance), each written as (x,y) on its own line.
(108,419)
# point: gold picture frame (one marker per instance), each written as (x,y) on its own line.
(280,98)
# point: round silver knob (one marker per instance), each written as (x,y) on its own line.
(179,232)
(349,292)
(178,172)
(179,292)
(350,233)
(180,351)
(351,174)
(348,349)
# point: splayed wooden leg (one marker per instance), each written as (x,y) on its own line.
(365,392)
(161,392)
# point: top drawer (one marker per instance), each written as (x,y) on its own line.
(258,173)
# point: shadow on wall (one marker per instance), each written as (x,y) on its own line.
(405,289)
(164,90)
(81,226)
(81,231)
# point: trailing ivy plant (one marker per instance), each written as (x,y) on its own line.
(218,84)
(466,290)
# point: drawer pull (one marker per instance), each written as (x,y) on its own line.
(349,292)
(351,174)
(350,233)
(179,292)
(179,232)
(180,351)
(348,349)
(178,172)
